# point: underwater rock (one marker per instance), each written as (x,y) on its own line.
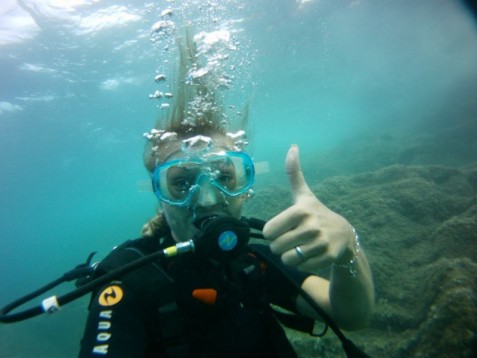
(418,226)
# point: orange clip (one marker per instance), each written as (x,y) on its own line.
(205,295)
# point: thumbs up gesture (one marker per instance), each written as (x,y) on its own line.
(308,235)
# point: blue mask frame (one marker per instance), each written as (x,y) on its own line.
(196,169)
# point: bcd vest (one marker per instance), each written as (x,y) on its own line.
(203,306)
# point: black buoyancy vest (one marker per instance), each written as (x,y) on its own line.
(203,306)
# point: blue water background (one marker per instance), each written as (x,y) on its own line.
(325,73)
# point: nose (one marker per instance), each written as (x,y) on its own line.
(207,193)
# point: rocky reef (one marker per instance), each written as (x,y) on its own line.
(414,204)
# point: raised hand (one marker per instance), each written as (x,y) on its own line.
(308,234)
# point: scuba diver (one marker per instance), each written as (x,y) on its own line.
(194,285)
(215,302)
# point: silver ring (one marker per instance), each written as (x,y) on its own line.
(300,253)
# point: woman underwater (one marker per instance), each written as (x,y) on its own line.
(199,305)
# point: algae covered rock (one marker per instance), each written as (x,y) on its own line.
(418,226)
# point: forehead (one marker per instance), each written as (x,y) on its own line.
(197,146)
(179,154)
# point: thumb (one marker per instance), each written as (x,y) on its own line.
(298,185)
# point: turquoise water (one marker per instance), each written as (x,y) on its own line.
(74,84)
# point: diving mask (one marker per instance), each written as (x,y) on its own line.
(175,182)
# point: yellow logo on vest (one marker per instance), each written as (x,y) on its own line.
(110,296)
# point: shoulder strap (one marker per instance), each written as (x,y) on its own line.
(156,286)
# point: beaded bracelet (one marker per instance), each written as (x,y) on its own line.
(351,265)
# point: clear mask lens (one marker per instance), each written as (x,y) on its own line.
(176,181)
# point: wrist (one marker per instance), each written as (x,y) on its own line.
(349,260)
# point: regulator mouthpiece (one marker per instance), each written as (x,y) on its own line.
(221,238)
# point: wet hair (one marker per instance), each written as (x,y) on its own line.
(156,227)
(198,107)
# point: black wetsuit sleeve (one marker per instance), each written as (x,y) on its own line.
(116,324)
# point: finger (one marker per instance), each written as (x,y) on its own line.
(311,255)
(298,185)
(315,263)
(286,242)
(282,223)
(292,258)
(293,238)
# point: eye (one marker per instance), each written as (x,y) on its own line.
(226,179)
(181,184)
(224,174)
(179,181)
